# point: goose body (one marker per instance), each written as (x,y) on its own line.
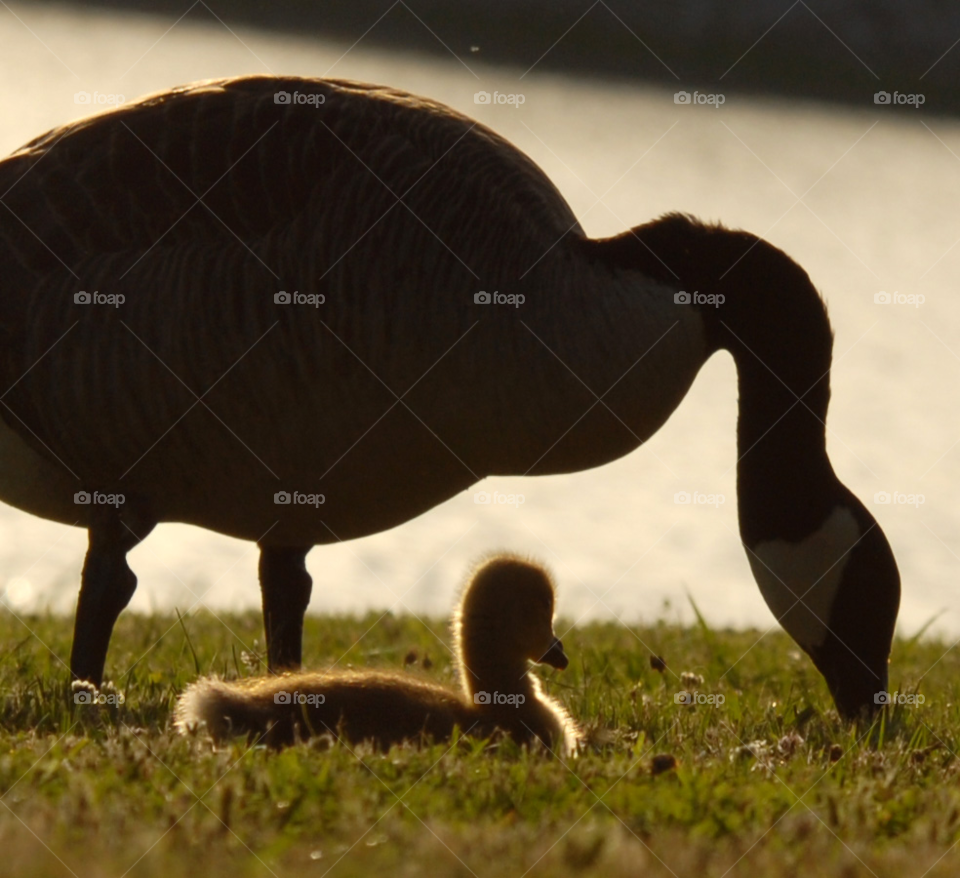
(114,197)
(504,621)
(391,388)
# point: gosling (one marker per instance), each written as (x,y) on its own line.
(504,620)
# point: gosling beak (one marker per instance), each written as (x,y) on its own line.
(555,656)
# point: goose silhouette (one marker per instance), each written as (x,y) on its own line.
(302,321)
(504,621)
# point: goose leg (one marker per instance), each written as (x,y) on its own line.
(285,586)
(106,586)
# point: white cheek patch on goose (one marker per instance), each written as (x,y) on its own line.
(811,570)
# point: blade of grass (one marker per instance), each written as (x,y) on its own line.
(186,634)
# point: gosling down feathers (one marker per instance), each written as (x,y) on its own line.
(504,621)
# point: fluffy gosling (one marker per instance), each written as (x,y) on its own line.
(504,621)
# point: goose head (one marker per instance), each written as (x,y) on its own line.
(837,593)
(507,611)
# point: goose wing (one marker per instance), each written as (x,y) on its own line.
(197,206)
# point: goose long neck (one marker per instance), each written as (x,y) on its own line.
(758,304)
(782,350)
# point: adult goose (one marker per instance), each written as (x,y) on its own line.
(246,291)
(504,621)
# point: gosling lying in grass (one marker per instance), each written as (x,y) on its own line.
(504,620)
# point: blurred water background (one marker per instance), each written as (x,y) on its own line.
(860,194)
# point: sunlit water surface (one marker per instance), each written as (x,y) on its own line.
(863,200)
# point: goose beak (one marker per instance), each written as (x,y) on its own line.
(854,656)
(858,689)
(555,656)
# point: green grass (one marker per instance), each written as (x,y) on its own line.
(93,791)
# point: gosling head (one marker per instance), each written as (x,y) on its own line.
(507,611)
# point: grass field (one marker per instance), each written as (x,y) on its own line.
(770,783)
